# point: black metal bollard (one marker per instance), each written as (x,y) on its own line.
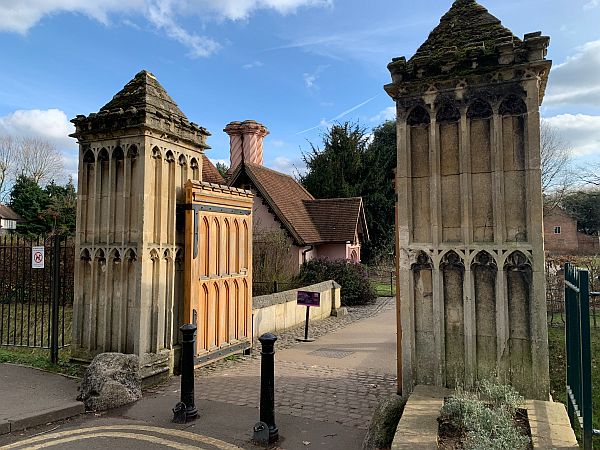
(186,410)
(267,393)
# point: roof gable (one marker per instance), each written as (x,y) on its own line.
(8,214)
(308,220)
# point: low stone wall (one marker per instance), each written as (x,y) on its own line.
(276,312)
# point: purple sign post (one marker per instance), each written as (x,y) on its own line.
(308,299)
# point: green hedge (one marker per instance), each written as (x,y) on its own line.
(353,277)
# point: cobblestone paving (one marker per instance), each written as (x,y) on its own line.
(319,392)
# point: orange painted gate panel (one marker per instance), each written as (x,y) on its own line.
(218,268)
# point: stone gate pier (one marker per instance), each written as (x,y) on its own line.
(135,157)
(469,236)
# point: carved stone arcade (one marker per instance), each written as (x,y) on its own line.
(135,157)
(470,254)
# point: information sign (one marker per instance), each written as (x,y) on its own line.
(309,298)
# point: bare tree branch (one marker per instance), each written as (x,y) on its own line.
(556,157)
(590,174)
(39,160)
(8,150)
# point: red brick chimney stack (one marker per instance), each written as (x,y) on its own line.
(246,142)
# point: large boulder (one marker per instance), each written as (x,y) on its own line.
(110,381)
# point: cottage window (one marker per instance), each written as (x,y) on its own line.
(556,230)
(8,224)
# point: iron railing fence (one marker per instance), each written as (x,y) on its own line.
(578,352)
(383,280)
(36,304)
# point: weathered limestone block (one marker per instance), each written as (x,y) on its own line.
(110,381)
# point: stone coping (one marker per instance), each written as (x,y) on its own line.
(418,427)
(263,301)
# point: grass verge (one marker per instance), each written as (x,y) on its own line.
(383,289)
(40,359)
(556,342)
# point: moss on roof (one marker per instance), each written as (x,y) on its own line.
(142,91)
(467,25)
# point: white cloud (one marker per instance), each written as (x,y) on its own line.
(576,80)
(21,15)
(310,79)
(388,113)
(591,5)
(253,65)
(242,9)
(51,125)
(284,164)
(219,161)
(161,14)
(278,143)
(580,131)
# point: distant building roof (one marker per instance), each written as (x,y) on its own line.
(8,214)
(308,220)
(210,173)
(337,219)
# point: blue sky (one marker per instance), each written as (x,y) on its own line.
(293,65)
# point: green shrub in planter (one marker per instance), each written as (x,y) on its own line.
(351,276)
(486,417)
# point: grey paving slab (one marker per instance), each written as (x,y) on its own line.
(32,397)
(366,345)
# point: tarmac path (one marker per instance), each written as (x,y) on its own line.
(325,394)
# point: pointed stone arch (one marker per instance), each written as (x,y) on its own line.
(512,105)
(422,285)
(453,271)
(103,154)
(418,116)
(169,157)
(482,165)
(418,140)
(132,152)
(479,109)
(118,154)
(447,111)
(485,274)
(88,157)
(195,168)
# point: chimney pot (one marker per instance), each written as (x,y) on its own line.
(245,142)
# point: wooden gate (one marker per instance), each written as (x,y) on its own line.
(218,268)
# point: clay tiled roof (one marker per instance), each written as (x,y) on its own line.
(308,220)
(144,90)
(336,219)
(210,173)
(8,214)
(467,25)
